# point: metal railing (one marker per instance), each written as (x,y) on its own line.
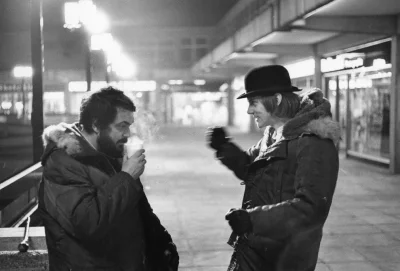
(24,205)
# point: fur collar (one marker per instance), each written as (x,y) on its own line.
(65,136)
(313,117)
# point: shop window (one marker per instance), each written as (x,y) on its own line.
(370,115)
(16,150)
(53,103)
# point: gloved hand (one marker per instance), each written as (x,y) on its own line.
(216,137)
(171,257)
(239,220)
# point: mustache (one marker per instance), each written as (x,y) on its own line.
(123,141)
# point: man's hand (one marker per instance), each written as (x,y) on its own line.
(171,257)
(216,137)
(134,165)
(239,220)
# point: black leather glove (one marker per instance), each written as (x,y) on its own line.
(216,137)
(239,220)
(171,257)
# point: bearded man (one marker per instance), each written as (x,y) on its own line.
(94,210)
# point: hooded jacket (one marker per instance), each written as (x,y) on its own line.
(96,217)
(289,186)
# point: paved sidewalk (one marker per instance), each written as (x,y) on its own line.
(191,192)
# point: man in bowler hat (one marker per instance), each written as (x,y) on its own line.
(289,175)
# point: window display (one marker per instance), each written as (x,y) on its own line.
(370,107)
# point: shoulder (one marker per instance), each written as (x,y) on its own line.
(315,142)
(60,165)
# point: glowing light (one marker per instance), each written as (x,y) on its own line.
(302,68)
(238,83)
(85,13)
(223,87)
(164,87)
(379,62)
(98,23)
(101,41)
(19,105)
(6,105)
(22,71)
(124,67)
(139,95)
(71,15)
(199,82)
(80,86)
(175,82)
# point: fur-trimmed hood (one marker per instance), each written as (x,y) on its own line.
(314,117)
(68,137)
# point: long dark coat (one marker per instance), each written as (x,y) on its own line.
(289,186)
(95,216)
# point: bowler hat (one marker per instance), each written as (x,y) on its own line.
(266,81)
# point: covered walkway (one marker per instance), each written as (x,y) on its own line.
(191,192)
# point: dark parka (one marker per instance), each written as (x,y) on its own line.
(289,185)
(95,216)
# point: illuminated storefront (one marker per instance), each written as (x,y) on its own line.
(16,101)
(139,91)
(360,97)
(199,108)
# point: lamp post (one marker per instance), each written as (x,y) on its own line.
(37,119)
(84,14)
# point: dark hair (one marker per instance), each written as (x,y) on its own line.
(288,107)
(100,108)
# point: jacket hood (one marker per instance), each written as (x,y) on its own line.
(314,117)
(67,137)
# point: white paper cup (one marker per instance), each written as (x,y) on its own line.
(131,148)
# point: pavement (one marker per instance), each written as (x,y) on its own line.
(191,192)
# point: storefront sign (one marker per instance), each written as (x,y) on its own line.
(27,87)
(15,87)
(342,62)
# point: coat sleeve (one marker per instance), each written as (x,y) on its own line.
(157,237)
(86,211)
(236,159)
(155,231)
(315,181)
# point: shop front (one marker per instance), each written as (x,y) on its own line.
(358,86)
(141,92)
(16,101)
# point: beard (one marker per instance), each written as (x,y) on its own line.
(107,146)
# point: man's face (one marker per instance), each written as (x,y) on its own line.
(111,140)
(260,114)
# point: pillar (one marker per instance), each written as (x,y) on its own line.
(395,107)
(37,78)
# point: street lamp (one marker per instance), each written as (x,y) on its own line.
(117,61)
(23,72)
(84,14)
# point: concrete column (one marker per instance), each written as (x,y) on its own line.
(317,72)
(395,107)
(231,106)
(67,100)
(158,105)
